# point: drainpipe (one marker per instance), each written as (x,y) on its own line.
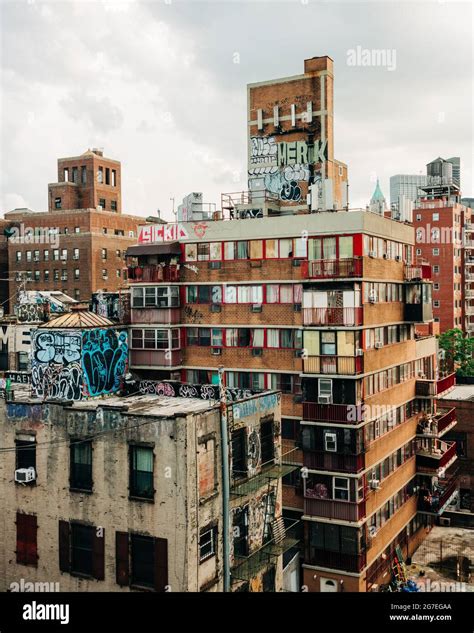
(225,480)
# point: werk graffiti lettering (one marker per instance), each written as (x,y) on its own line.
(31,312)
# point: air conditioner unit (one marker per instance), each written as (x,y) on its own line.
(324,399)
(378,345)
(216,307)
(444,521)
(214,265)
(398,258)
(256,307)
(24,475)
(385,256)
(373,297)
(257,351)
(296,262)
(375,484)
(297,307)
(216,351)
(359,352)
(372,254)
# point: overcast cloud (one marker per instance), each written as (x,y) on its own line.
(162,87)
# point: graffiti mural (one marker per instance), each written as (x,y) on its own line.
(185,390)
(31,312)
(73,364)
(104,360)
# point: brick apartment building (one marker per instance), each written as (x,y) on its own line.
(78,245)
(444,238)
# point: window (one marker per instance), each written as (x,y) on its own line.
(28,256)
(102,202)
(267,443)
(436,269)
(37,275)
(26,452)
(46,255)
(82,538)
(435,217)
(26,539)
(435,251)
(84,175)
(100,175)
(341,488)
(156,296)
(203,252)
(75,253)
(46,275)
(80,476)
(77,294)
(207,544)
(36,256)
(104,273)
(418,251)
(57,203)
(418,217)
(435,286)
(107,176)
(18,256)
(64,254)
(141,561)
(77,229)
(325,389)
(23,361)
(114,178)
(240,525)
(104,253)
(63,274)
(56,254)
(242,250)
(328,343)
(141,472)
(239,453)
(436,304)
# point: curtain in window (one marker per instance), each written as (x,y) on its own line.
(256,294)
(143,459)
(190,252)
(273,293)
(314,249)
(232,337)
(286,293)
(271,249)
(286,248)
(216,338)
(301,247)
(329,247)
(345,247)
(242,250)
(256,249)
(215,251)
(244,294)
(258,381)
(229,250)
(256,338)
(298,293)
(273,339)
(287,338)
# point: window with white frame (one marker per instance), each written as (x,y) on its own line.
(341,488)
(330,441)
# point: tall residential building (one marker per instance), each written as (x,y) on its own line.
(78,245)
(406,185)
(444,238)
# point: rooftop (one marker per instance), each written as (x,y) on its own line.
(78,318)
(460,392)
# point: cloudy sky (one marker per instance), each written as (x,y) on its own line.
(160,85)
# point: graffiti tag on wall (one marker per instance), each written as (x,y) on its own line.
(185,390)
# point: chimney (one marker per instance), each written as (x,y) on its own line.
(317,64)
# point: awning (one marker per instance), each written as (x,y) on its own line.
(165,248)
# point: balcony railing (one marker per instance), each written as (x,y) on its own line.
(437,424)
(332,316)
(349,413)
(336,560)
(322,460)
(333,268)
(416,273)
(437,456)
(333,509)
(435,502)
(347,365)
(151,272)
(446,383)
(155,358)
(151,316)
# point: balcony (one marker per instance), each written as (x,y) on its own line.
(333,509)
(336,560)
(155,358)
(345,413)
(425,388)
(437,425)
(436,501)
(469,227)
(150,272)
(152,316)
(332,316)
(346,365)
(417,273)
(443,384)
(334,268)
(322,460)
(434,456)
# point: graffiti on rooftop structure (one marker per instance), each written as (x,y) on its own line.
(185,390)
(74,364)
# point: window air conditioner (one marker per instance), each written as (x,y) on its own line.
(216,307)
(324,399)
(216,351)
(372,254)
(378,345)
(444,521)
(375,484)
(257,351)
(372,297)
(359,352)
(24,475)
(398,258)
(256,307)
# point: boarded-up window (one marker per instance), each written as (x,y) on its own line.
(26,539)
(206,465)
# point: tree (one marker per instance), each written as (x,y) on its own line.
(458,352)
